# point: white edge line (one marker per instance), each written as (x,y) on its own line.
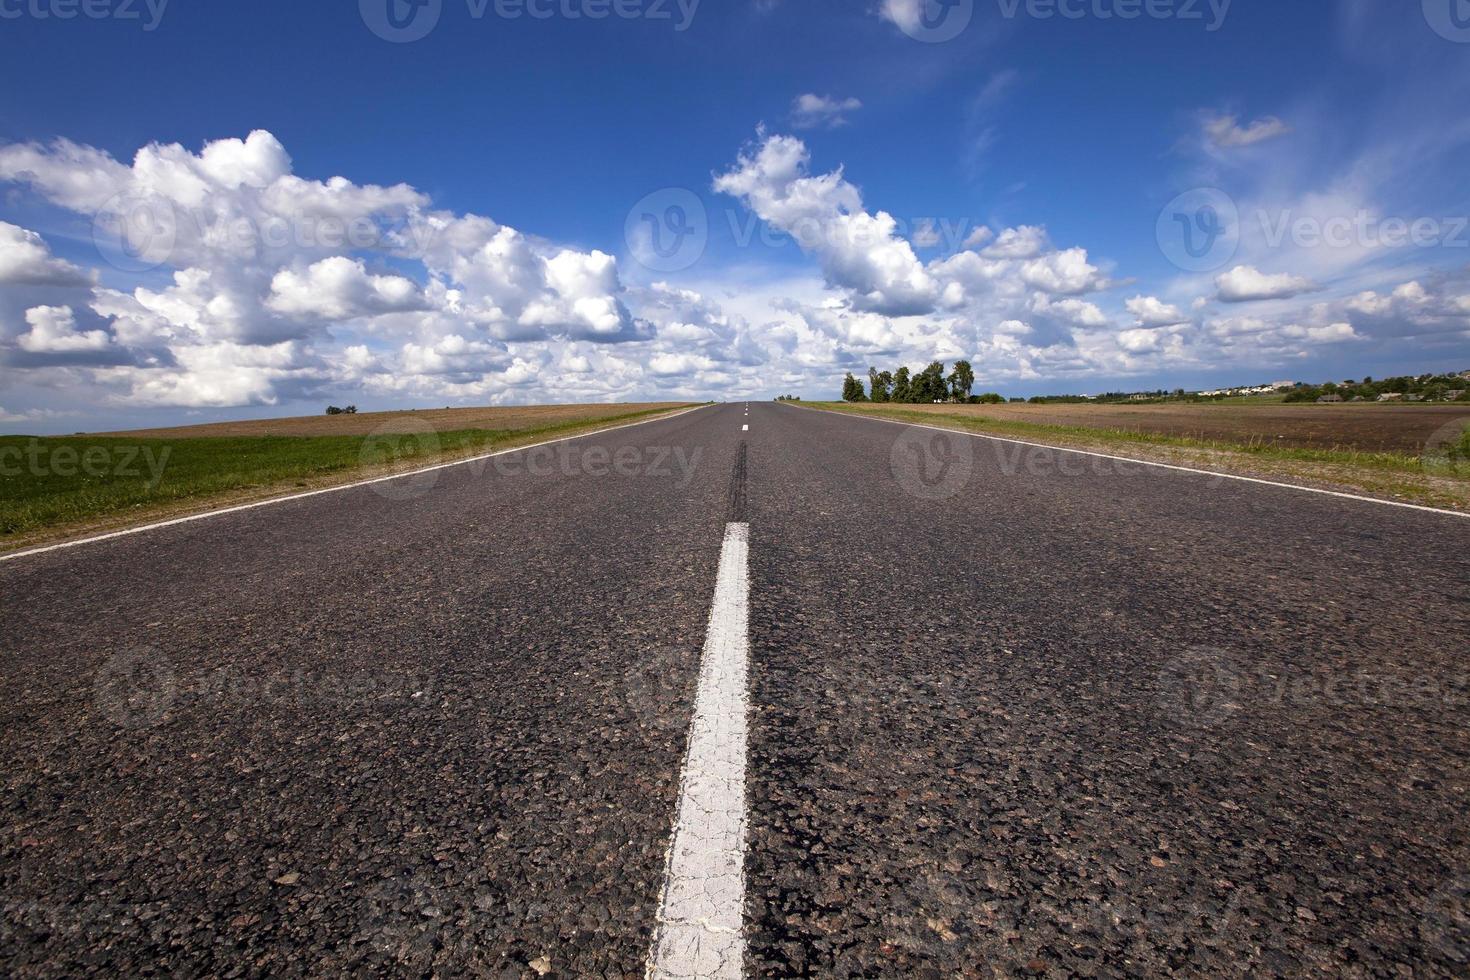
(338,489)
(699,927)
(1146,462)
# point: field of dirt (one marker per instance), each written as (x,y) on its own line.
(440,419)
(1370,428)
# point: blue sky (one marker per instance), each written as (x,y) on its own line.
(995,195)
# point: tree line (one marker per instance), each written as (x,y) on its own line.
(926,387)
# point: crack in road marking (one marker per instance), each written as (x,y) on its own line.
(702,910)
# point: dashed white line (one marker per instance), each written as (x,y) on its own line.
(745,428)
(701,914)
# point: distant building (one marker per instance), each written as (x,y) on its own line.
(1282,385)
(1455,395)
(1329,399)
(1413,398)
(1390,396)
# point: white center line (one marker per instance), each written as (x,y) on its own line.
(745,428)
(700,918)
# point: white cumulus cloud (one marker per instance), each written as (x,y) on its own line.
(1246,283)
(1153,312)
(25,260)
(54,331)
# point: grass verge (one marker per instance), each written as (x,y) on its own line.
(52,489)
(1437,479)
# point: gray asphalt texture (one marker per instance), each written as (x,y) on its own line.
(1012,713)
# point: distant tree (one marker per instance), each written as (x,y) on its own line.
(350,410)
(961,381)
(852,389)
(879,383)
(903,388)
(333,410)
(989,398)
(929,384)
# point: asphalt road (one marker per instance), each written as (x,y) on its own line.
(1010,712)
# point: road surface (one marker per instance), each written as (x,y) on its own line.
(916,705)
